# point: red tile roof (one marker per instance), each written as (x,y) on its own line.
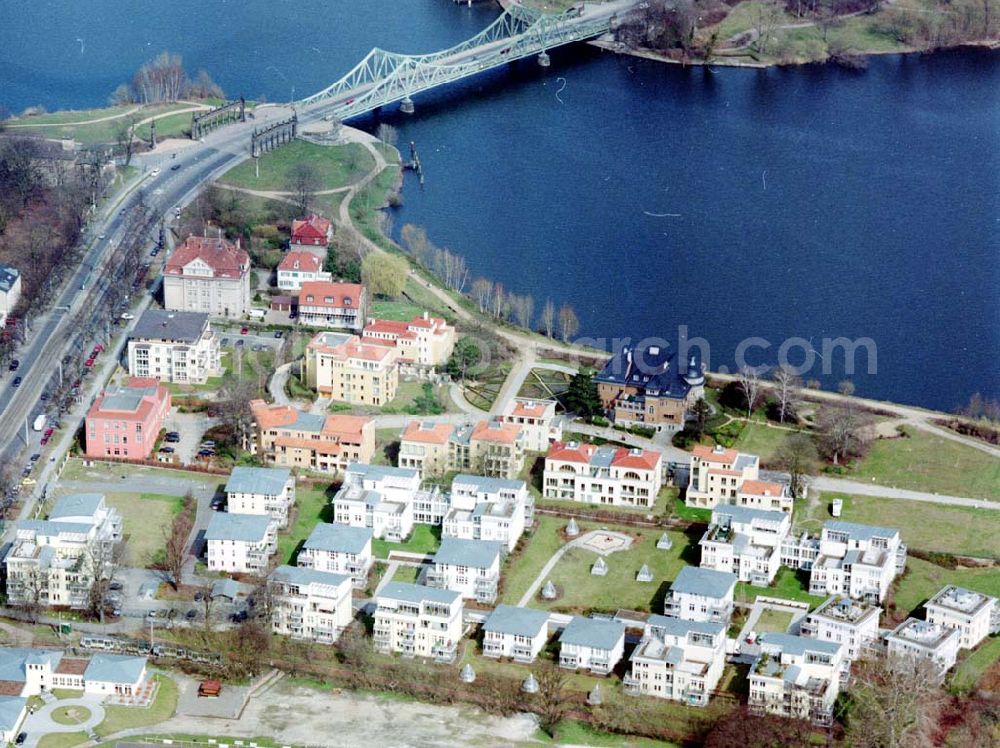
(571,451)
(340,295)
(529,408)
(226,259)
(304,230)
(305,261)
(496,431)
(762,488)
(427,433)
(643,459)
(368,349)
(708,454)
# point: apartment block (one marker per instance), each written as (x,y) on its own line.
(298,267)
(761,494)
(309,604)
(418,621)
(645,385)
(341,306)
(423,447)
(717,474)
(493,509)
(423,343)
(379,498)
(678,660)
(593,644)
(178,347)
(10,291)
(859,561)
(933,642)
(537,419)
(347,369)
(288,437)
(254,490)
(240,543)
(125,421)
(973,614)
(491,448)
(338,549)
(841,620)
(518,633)
(208,274)
(701,595)
(56,561)
(796,677)
(609,476)
(745,542)
(470,567)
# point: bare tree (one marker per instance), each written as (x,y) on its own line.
(893,700)
(207,606)
(499,299)
(798,457)
(387,134)
(786,387)
(103,562)
(552,700)
(125,137)
(569,324)
(249,644)
(522,308)
(175,540)
(767,17)
(548,317)
(841,432)
(234,410)
(749,383)
(482,290)
(303,182)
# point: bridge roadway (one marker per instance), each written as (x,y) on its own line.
(50,339)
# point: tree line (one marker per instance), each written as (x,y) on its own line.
(163,79)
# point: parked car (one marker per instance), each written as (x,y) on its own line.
(206,453)
(244,330)
(35,457)
(240,342)
(16,383)
(217,503)
(98,349)
(175,167)
(14,365)
(225,341)
(155,172)
(44,397)
(88,363)
(44,440)
(28,482)
(21,737)
(167,450)
(116,586)
(191,614)
(279,334)
(128,315)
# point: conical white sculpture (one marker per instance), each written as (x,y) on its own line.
(572,529)
(644,575)
(600,568)
(530,685)
(594,697)
(549,591)
(664,543)
(468,675)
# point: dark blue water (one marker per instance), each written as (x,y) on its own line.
(808,202)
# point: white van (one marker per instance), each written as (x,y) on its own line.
(257,313)
(39,422)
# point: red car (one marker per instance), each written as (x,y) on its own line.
(76,384)
(98,348)
(244,331)
(45,440)
(49,432)
(88,363)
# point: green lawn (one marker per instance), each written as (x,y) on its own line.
(146,518)
(410,398)
(94,132)
(926,462)
(311,504)
(691,513)
(580,591)
(337,166)
(771,620)
(788,585)
(400,311)
(537,548)
(63,740)
(972,665)
(75,470)
(761,440)
(118,718)
(70,715)
(424,539)
(922,579)
(171,126)
(544,384)
(483,392)
(406,574)
(924,526)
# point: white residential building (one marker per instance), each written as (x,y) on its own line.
(254,490)
(495,509)
(335,305)
(761,494)
(418,621)
(857,560)
(471,567)
(178,347)
(208,274)
(593,644)
(423,343)
(796,677)
(536,419)
(30,672)
(298,267)
(309,604)
(56,561)
(678,660)
(10,291)
(841,620)
(701,595)
(974,614)
(339,549)
(378,497)
(610,476)
(746,542)
(240,543)
(717,474)
(518,633)
(925,640)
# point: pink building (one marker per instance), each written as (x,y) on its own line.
(125,421)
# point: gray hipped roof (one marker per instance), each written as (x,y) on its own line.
(250,528)
(478,554)
(595,633)
(257,480)
(418,593)
(507,619)
(337,538)
(706,582)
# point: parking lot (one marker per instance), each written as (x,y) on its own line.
(190,428)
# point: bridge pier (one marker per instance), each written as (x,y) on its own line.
(543,59)
(406,106)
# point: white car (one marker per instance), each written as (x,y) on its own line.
(155,172)
(128,315)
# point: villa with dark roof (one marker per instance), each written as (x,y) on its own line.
(645,385)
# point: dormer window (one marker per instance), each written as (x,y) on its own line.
(328,299)
(347,302)
(309,297)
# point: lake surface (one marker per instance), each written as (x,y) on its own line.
(802,203)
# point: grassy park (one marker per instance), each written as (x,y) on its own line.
(336,166)
(923,578)
(98,125)
(761,440)
(773,621)
(146,519)
(424,539)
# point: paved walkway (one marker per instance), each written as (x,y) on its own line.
(41,723)
(276,384)
(825,483)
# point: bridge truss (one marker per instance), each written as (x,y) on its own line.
(383,77)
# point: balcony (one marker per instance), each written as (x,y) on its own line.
(570,661)
(444,653)
(600,665)
(522,653)
(492,649)
(632,685)
(694,697)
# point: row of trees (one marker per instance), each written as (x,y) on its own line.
(163,79)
